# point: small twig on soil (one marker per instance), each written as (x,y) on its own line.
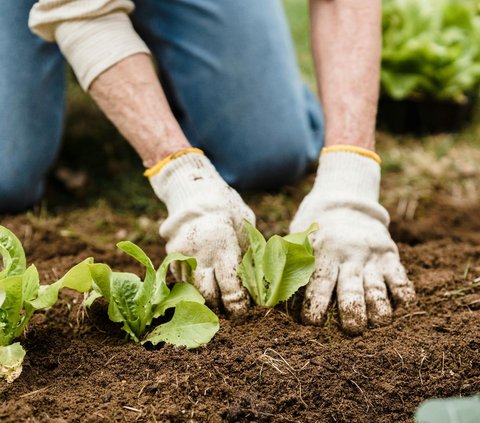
(420,369)
(401,358)
(304,366)
(29,394)
(443,363)
(268,312)
(318,343)
(358,373)
(476,284)
(467,268)
(417,313)
(110,360)
(135,410)
(142,389)
(102,416)
(367,401)
(153,413)
(221,375)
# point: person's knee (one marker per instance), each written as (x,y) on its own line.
(18,194)
(271,165)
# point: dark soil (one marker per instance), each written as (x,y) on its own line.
(267,368)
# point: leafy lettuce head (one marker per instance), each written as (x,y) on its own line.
(431,49)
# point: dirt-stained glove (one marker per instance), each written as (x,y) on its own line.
(353,248)
(205,220)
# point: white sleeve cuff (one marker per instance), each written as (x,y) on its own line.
(93,45)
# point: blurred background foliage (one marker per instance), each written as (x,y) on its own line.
(431,49)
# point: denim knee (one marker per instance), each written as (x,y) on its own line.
(17,194)
(267,165)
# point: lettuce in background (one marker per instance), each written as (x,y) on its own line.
(431,49)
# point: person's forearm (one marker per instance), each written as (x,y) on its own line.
(346,43)
(131,96)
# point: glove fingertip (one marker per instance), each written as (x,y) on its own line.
(204,281)
(353,319)
(379,313)
(313,310)
(405,295)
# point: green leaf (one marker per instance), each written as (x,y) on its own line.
(101,275)
(145,291)
(31,283)
(77,278)
(13,255)
(273,271)
(250,269)
(161,290)
(450,410)
(247,272)
(169,259)
(136,252)
(11,359)
(91,298)
(301,238)
(192,325)
(124,290)
(30,288)
(11,308)
(287,267)
(182,291)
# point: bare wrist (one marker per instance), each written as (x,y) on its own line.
(131,96)
(366,141)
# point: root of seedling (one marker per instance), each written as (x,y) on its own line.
(280,364)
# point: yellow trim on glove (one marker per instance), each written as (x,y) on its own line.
(353,149)
(162,163)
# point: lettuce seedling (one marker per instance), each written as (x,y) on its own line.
(136,303)
(273,270)
(20,296)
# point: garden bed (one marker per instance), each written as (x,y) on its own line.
(265,368)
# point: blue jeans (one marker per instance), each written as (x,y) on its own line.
(230,74)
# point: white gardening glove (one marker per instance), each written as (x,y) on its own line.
(353,248)
(205,221)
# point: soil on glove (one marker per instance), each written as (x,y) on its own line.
(267,368)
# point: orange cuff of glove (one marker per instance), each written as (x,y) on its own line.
(162,163)
(353,149)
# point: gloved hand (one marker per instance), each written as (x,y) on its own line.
(205,220)
(353,248)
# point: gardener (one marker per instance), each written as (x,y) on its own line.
(241,116)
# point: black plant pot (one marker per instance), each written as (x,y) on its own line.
(425,116)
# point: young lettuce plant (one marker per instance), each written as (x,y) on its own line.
(273,270)
(136,303)
(20,296)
